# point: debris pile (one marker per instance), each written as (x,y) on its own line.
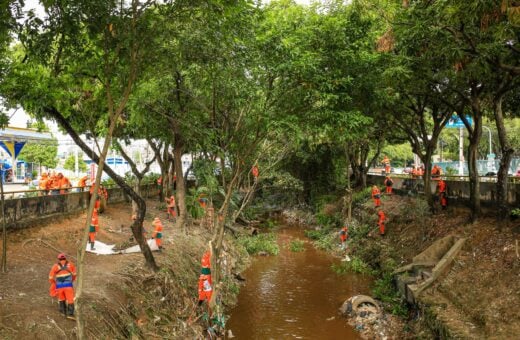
(366,316)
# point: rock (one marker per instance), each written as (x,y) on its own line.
(230,334)
(263,253)
(331,318)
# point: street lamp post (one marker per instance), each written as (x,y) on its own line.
(490,145)
(490,156)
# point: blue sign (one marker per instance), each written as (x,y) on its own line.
(455,122)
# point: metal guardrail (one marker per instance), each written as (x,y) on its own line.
(458,178)
(38,192)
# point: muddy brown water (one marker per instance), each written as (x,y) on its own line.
(294,295)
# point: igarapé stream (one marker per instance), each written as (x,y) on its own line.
(294,295)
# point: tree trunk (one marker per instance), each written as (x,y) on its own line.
(427,176)
(505,161)
(474,183)
(178,150)
(141,204)
(218,237)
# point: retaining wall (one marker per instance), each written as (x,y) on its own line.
(458,190)
(29,211)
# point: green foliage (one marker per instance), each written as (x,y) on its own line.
(297,246)
(515,212)
(70,163)
(270,224)
(260,243)
(45,154)
(361,196)
(356,265)
(384,290)
(150,178)
(192,202)
(108,183)
(399,154)
(451,171)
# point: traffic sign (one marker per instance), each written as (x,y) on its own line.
(455,122)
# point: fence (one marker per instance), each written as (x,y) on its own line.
(458,187)
(24,211)
(483,166)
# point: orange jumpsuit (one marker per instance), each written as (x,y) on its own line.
(381,222)
(206,263)
(205,289)
(94,228)
(386,162)
(171,206)
(63,183)
(82,183)
(157,233)
(343,234)
(441,187)
(43,184)
(62,275)
(388,184)
(376,196)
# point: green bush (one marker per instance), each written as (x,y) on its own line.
(385,291)
(356,265)
(260,243)
(361,196)
(297,246)
(314,234)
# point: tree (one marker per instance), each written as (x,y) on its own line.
(44,154)
(70,163)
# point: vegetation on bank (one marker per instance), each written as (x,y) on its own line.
(366,256)
(262,243)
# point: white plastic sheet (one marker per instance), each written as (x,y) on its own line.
(101,248)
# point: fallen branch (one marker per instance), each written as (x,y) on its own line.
(516,247)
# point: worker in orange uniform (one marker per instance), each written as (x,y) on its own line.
(255,172)
(54,184)
(205,289)
(94,228)
(420,171)
(206,263)
(343,236)
(388,184)
(63,183)
(82,183)
(157,233)
(443,193)
(62,276)
(376,196)
(381,222)
(436,172)
(42,184)
(171,207)
(386,163)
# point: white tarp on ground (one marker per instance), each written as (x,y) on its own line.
(101,248)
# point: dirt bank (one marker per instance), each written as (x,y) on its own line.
(124,300)
(478,297)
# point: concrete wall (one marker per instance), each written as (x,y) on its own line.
(458,190)
(30,211)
